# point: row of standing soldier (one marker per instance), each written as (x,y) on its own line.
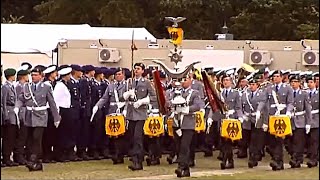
(78,97)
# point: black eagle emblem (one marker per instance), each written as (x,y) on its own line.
(114,125)
(198,120)
(154,126)
(233,129)
(280,126)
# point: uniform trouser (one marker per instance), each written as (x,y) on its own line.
(19,149)
(34,141)
(226,149)
(9,140)
(65,128)
(97,132)
(313,138)
(183,145)
(244,142)
(83,130)
(213,137)
(256,143)
(276,148)
(75,111)
(49,141)
(298,142)
(154,147)
(119,146)
(135,131)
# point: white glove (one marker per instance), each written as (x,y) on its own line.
(166,127)
(128,94)
(203,111)
(258,115)
(245,118)
(171,115)
(124,112)
(94,110)
(265,127)
(240,119)
(154,112)
(308,128)
(209,121)
(16,110)
(288,114)
(56,124)
(185,110)
(127,124)
(140,102)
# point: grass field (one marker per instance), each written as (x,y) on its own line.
(206,168)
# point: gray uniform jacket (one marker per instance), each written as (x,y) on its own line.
(233,102)
(109,96)
(257,102)
(189,120)
(42,96)
(198,85)
(8,100)
(285,96)
(142,89)
(314,101)
(301,104)
(23,109)
(1,107)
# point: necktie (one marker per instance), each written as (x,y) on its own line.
(277,88)
(310,94)
(294,94)
(251,94)
(137,83)
(226,93)
(118,84)
(34,87)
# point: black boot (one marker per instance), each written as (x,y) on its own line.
(34,164)
(72,155)
(148,160)
(230,164)
(242,154)
(117,160)
(83,155)
(220,156)
(20,159)
(276,166)
(155,161)
(96,155)
(312,163)
(185,172)
(135,166)
(294,164)
(170,160)
(9,163)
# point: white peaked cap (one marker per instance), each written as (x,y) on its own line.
(65,71)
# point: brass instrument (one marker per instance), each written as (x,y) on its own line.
(264,84)
(245,70)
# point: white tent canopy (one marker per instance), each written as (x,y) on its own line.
(43,38)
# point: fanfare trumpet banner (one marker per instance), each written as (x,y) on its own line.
(231,129)
(200,123)
(280,125)
(115,125)
(153,126)
(159,92)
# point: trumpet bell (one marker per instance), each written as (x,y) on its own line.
(247,68)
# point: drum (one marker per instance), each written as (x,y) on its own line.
(170,126)
(200,125)
(231,129)
(153,126)
(115,125)
(280,125)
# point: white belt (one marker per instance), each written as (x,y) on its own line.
(252,114)
(41,108)
(275,105)
(316,111)
(300,113)
(113,104)
(232,111)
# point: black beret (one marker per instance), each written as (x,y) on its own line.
(309,77)
(98,70)
(127,73)
(258,76)
(38,69)
(118,70)
(23,72)
(10,72)
(28,65)
(162,74)
(254,81)
(140,65)
(87,68)
(76,67)
(316,74)
(295,77)
(225,76)
(277,72)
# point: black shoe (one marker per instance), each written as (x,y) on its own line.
(230,165)
(155,161)
(148,161)
(96,156)
(118,161)
(182,172)
(220,156)
(222,165)
(46,160)
(192,164)
(312,164)
(84,156)
(10,163)
(276,166)
(252,164)
(135,166)
(20,160)
(169,160)
(35,167)
(208,154)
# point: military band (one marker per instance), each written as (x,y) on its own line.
(76,113)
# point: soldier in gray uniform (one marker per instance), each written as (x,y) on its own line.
(253,101)
(140,95)
(184,125)
(233,101)
(11,123)
(301,122)
(113,99)
(19,151)
(279,95)
(313,135)
(2,165)
(35,97)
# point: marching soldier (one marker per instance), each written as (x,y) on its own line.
(253,101)
(2,164)
(49,140)
(316,79)
(86,105)
(184,125)
(141,94)
(279,95)
(62,97)
(300,122)
(11,123)
(232,99)
(113,99)
(35,96)
(313,135)
(19,150)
